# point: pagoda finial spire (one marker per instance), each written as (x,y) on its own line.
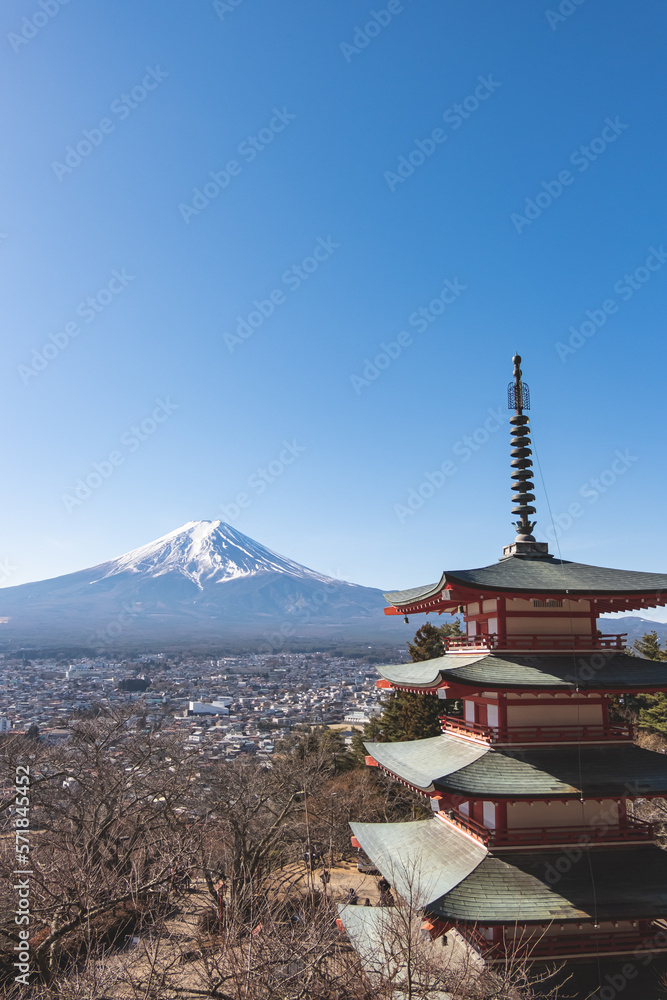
(519,400)
(518,395)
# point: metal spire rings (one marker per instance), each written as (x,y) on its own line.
(522,473)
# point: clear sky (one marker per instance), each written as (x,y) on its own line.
(214,215)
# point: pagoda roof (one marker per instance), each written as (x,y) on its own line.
(538,575)
(452,764)
(422,762)
(527,887)
(422,857)
(567,671)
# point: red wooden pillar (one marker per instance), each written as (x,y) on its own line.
(502,622)
(605,712)
(501,817)
(502,713)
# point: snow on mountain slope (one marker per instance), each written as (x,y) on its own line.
(206,583)
(207,552)
(203,582)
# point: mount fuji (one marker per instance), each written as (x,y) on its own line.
(203,584)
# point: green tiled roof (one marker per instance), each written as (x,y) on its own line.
(420,762)
(427,673)
(598,885)
(397,597)
(449,764)
(598,671)
(605,771)
(441,871)
(540,575)
(423,860)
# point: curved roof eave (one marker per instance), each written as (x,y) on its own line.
(416,593)
(529,888)
(452,765)
(521,574)
(421,762)
(425,673)
(560,772)
(423,860)
(600,671)
(442,871)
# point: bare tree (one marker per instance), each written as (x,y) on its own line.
(121,821)
(108,830)
(249,809)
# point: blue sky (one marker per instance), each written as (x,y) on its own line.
(216,217)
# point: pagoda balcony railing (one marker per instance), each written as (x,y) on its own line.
(468,825)
(563,944)
(498,735)
(475,938)
(630,831)
(543,641)
(585,944)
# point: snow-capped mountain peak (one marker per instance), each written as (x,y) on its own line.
(204,584)
(206,552)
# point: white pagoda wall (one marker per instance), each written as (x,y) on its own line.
(555,814)
(554,715)
(548,626)
(523,604)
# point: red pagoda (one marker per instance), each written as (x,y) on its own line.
(533,843)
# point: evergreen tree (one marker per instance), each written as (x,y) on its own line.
(406,716)
(409,716)
(654,716)
(649,647)
(428,642)
(358,751)
(333,749)
(652,708)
